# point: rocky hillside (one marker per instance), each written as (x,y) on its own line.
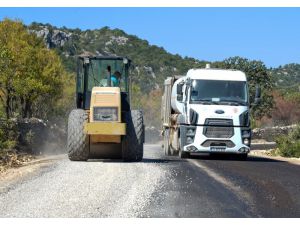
(287,76)
(151,63)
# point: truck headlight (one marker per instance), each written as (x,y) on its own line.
(246,133)
(246,141)
(189,140)
(190,134)
(187,134)
(105,113)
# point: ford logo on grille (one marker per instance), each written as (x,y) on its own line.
(219,111)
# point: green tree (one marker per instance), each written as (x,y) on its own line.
(9,50)
(29,72)
(257,74)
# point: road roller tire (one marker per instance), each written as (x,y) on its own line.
(78,140)
(133,141)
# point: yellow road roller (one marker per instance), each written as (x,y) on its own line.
(103,125)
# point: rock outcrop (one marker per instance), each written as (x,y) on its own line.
(270,133)
(53,38)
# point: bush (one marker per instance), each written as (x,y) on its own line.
(8,134)
(286,111)
(10,156)
(289,145)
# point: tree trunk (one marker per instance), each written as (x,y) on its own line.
(7,107)
(27,110)
(22,107)
(8,102)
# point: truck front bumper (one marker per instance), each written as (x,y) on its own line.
(105,128)
(201,144)
(218,149)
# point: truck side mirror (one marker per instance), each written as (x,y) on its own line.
(179,92)
(257,95)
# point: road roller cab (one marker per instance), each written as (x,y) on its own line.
(103,120)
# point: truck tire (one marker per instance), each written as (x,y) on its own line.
(78,140)
(133,141)
(242,157)
(167,149)
(182,154)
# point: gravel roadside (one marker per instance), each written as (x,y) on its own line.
(84,189)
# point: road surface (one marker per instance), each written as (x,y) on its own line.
(158,186)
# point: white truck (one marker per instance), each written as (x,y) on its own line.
(207,111)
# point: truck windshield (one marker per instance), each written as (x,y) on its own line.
(219,92)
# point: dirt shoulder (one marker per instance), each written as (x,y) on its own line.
(267,154)
(11,158)
(12,175)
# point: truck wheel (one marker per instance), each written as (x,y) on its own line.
(133,141)
(78,140)
(182,154)
(242,157)
(167,142)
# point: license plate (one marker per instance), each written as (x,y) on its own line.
(217,149)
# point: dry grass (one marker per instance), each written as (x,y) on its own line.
(13,158)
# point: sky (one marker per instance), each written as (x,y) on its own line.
(271,35)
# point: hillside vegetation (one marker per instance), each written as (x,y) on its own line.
(287,75)
(151,63)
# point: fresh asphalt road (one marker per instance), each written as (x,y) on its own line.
(159,186)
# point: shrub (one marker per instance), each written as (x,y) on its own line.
(286,110)
(8,134)
(289,145)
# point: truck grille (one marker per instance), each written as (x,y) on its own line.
(218,128)
(210,143)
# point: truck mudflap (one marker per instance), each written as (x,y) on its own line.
(105,128)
